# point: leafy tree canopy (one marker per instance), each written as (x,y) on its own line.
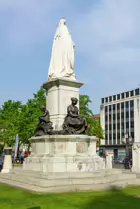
(22,119)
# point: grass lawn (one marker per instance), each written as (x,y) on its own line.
(11,198)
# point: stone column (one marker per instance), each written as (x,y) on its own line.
(136,157)
(7,166)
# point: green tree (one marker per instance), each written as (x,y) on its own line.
(16,118)
(9,121)
(30,116)
(94,127)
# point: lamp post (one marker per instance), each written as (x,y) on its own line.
(127,140)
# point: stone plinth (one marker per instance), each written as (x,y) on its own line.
(7,166)
(136,157)
(109,157)
(59,93)
(64,153)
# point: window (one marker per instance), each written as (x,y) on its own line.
(122,95)
(132,134)
(106,139)
(118,96)
(110,127)
(127,94)
(118,126)
(127,114)
(137,92)
(122,125)
(106,127)
(118,106)
(122,133)
(114,126)
(114,97)
(131,93)
(109,107)
(106,118)
(102,100)
(122,105)
(114,136)
(127,125)
(110,98)
(109,118)
(122,115)
(114,107)
(127,104)
(132,103)
(132,124)
(114,116)
(106,108)
(118,138)
(106,99)
(118,116)
(131,114)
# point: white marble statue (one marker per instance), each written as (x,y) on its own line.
(62,58)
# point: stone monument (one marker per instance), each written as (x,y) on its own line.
(61,143)
(62,84)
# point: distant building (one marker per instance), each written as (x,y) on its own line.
(96,116)
(120,115)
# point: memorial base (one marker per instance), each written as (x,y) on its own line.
(7,166)
(64,153)
(59,94)
(136,157)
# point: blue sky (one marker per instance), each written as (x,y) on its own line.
(106,34)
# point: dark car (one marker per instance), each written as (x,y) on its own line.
(1,164)
(118,161)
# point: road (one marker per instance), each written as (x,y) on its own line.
(119,166)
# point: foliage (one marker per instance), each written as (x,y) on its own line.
(94,124)
(30,114)
(16,118)
(22,119)
(9,121)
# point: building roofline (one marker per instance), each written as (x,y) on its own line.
(121,92)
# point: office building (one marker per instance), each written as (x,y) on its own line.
(120,116)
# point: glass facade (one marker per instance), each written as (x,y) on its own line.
(119,120)
(119,116)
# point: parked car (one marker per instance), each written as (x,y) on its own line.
(118,161)
(1,164)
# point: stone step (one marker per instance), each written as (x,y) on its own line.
(65,181)
(60,175)
(72,188)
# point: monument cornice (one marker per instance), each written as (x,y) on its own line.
(59,81)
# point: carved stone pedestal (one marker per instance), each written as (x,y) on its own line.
(59,94)
(64,153)
(109,157)
(136,157)
(7,166)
